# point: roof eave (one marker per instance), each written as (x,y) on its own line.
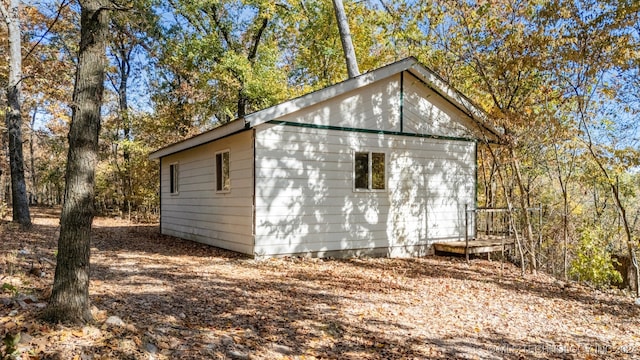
(206,137)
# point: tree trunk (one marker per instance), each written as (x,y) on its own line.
(345,37)
(527,219)
(123,104)
(565,213)
(69,300)
(34,179)
(622,210)
(565,234)
(242,104)
(507,197)
(20,203)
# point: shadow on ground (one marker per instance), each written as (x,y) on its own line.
(182,300)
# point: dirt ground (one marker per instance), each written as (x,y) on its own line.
(158,297)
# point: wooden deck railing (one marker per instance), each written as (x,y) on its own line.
(493,222)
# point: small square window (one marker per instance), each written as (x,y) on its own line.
(369,171)
(223,180)
(173,178)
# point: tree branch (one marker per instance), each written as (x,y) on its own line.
(256,40)
(55,20)
(221,29)
(5,13)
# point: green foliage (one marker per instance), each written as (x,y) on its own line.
(8,287)
(218,61)
(10,350)
(593,262)
(130,183)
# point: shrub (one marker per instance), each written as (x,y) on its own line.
(593,263)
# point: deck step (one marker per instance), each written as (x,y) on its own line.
(476,246)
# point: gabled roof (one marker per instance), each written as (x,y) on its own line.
(410,64)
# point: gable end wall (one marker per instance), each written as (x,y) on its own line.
(375,106)
(306,203)
(421,103)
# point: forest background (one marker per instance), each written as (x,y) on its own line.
(560,77)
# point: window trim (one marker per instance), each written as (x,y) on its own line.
(221,153)
(370,171)
(174,177)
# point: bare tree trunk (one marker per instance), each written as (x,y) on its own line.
(345,37)
(565,211)
(527,219)
(123,57)
(615,189)
(509,207)
(34,179)
(20,203)
(565,235)
(69,300)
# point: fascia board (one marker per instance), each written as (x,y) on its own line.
(211,135)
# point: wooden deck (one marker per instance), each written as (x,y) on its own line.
(482,245)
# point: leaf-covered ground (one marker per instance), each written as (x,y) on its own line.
(158,297)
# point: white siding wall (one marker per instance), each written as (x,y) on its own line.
(376,106)
(305,201)
(426,112)
(197,212)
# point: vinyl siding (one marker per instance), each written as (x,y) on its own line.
(426,112)
(306,203)
(375,106)
(198,212)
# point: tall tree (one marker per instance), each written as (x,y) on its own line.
(345,38)
(221,58)
(128,32)
(587,75)
(14,116)
(69,300)
(49,66)
(500,57)
(310,44)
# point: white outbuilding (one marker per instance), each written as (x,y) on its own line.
(382,164)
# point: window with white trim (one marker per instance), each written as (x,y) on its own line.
(223,181)
(173,178)
(369,172)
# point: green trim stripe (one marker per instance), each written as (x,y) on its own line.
(368,131)
(401,101)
